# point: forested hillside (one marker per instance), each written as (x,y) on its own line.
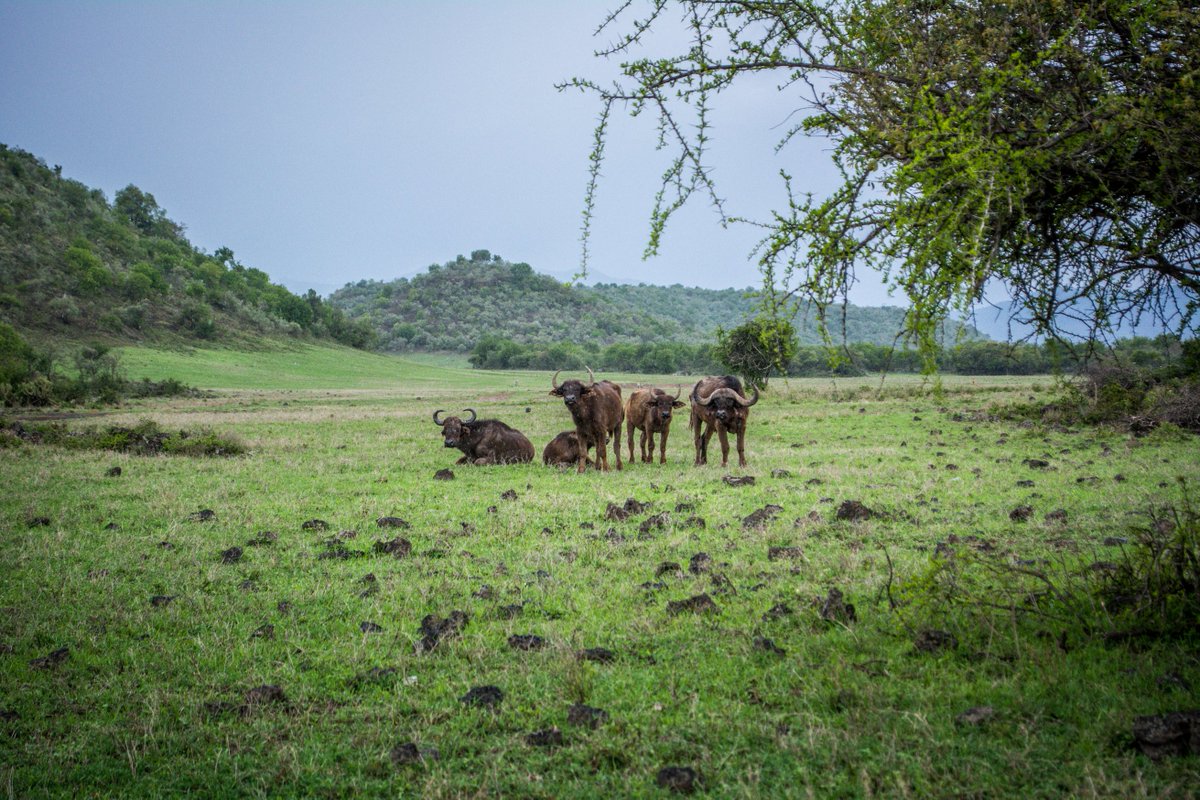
(72,264)
(454,306)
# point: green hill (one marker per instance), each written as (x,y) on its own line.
(455,305)
(73,265)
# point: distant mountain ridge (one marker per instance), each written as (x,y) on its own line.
(453,306)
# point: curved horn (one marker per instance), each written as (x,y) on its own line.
(591,377)
(435,417)
(678,391)
(747,403)
(703,400)
(472,419)
(554,380)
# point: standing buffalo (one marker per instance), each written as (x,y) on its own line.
(486,441)
(649,411)
(598,414)
(563,450)
(721,405)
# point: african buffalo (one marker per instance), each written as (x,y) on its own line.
(563,450)
(649,411)
(720,404)
(485,441)
(598,414)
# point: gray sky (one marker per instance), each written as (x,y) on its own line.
(329,142)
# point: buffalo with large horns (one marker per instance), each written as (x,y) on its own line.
(649,411)
(598,413)
(720,404)
(484,441)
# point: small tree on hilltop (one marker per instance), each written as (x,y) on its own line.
(757,349)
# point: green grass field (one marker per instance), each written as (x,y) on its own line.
(163,698)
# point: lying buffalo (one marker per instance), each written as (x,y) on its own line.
(649,411)
(563,451)
(720,404)
(598,413)
(485,441)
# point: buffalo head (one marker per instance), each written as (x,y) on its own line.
(454,430)
(724,402)
(572,391)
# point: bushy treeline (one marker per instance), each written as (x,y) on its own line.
(1164,354)
(33,377)
(71,263)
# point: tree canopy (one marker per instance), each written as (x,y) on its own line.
(1044,150)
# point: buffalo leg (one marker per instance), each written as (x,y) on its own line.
(662,447)
(708,432)
(741,445)
(648,447)
(724,444)
(629,433)
(617,447)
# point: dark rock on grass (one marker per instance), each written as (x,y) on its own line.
(854,511)
(777,611)
(784,553)
(695,522)
(508,494)
(759,519)
(1026,484)
(652,586)
(933,641)
(160,600)
(51,660)
(668,568)
(1021,513)
(550,737)
(814,482)
(1173,734)
(976,715)
(765,645)
(586,716)
(444,475)
(231,556)
(738,480)
(682,780)
(248,585)
(633,506)
(370,627)
(410,753)
(526,641)
(834,608)
(397,548)
(203,515)
(656,522)
(1036,463)
(261,698)
(113,472)
(434,629)
(700,563)
(780,473)
(700,604)
(510,611)
(264,632)
(681,508)
(598,655)
(339,551)
(483,697)
(263,538)
(614,513)
(315,525)
(393,522)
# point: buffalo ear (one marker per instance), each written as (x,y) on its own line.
(466,429)
(678,404)
(556,392)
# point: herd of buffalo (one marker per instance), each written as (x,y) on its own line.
(719,405)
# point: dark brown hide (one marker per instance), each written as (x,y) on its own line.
(720,404)
(563,450)
(598,412)
(485,441)
(649,411)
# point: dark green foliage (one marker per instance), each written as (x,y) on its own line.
(144,439)
(72,265)
(757,349)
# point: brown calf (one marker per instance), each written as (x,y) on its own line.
(597,411)
(649,411)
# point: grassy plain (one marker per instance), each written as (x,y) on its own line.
(159,699)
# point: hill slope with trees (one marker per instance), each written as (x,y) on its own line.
(453,306)
(73,265)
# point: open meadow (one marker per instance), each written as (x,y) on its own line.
(321,617)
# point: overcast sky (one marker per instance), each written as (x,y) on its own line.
(329,142)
